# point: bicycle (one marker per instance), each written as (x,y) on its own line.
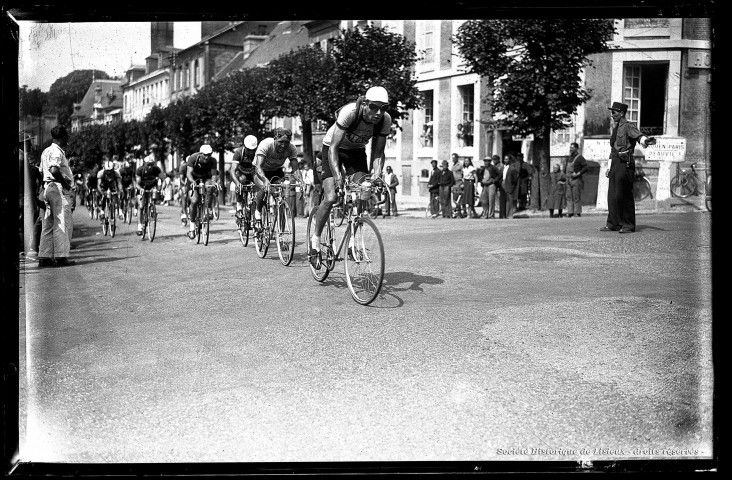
(202,221)
(109,222)
(708,193)
(215,206)
(149,214)
(127,203)
(641,186)
(92,203)
(277,219)
(364,254)
(244,217)
(433,205)
(686,182)
(185,203)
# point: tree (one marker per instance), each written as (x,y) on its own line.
(533,68)
(32,102)
(300,84)
(66,91)
(369,56)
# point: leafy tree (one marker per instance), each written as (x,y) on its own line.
(66,91)
(88,145)
(178,126)
(300,84)
(247,103)
(153,132)
(369,56)
(533,69)
(32,102)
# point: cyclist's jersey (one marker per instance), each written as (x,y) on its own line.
(363,131)
(268,158)
(91,180)
(107,179)
(127,174)
(244,164)
(201,168)
(148,174)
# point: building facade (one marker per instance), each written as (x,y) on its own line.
(102,104)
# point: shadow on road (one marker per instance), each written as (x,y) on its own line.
(640,228)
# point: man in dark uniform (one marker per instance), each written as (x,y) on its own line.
(620,202)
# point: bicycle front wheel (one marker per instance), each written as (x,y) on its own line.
(216,208)
(285,234)
(364,260)
(681,187)
(206,228)
(152,221)
(113,219)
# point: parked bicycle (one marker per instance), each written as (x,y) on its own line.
(202,221)
(277,220)
(149,214)
(641,185)
(686,182)
(433,205)
(246,215)
(109,207)
(364,249)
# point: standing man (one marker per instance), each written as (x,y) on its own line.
(57,222)
(392,182)
(509,185)
(447,182)
(307,188)
(300,189)
(490,183)
(576,168)
(434,188)
(469,188)
(620,202)
(457,191)
(526,172)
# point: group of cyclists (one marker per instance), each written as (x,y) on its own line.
(343,154)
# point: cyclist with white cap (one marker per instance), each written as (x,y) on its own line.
(201,166)
(344,150)
(147,176)
(271,155)
(108,179)
(242,169)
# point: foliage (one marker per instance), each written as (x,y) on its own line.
(369,56)
(533,66)
(88,145)
(70,89)
(32,102)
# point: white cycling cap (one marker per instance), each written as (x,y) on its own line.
(377,94)
(250,142)
(206,149)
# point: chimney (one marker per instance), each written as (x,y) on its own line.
(161,36)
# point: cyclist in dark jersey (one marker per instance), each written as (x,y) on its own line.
(200,166)
(127,172)
(242,169)
(147,177)
(108,179)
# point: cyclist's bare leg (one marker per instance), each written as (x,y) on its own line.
(143,204)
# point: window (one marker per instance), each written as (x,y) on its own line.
(186,77)
(426,137)
(196,73)
(644,91)
(465,127)
(428,42)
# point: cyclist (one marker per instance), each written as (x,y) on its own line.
(242,170)
(344,147)
(108,179)
(200,166)
(91,186)
(147,177)
(127,173)
(271,155)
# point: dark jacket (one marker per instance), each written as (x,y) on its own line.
(434,183)
(512,178)
(447,179)
(490,176)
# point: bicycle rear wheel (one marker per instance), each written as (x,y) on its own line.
(326,247)
(641,189)
(364,260)
(681,186)
(152,221)
(261,235)
(285,234)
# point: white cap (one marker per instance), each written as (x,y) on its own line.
(206,149)
(377,94)
(250,142)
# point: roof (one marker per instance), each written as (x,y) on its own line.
(285,37)
(212,35)
(106,102)
(234,65)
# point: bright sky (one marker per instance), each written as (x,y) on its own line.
(49,51)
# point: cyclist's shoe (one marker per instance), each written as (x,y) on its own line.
(191,234)
(314,257)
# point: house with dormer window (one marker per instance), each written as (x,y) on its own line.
(101,105)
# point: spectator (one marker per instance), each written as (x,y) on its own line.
(509,185)
(469,187)
(526,173)
(392,182)
(167,191)
(557,192)
(299,190)
(576,169)
(316,194)
(490,183)
(433,186)
(447,182)
(457,191)
(307,188)
(55,243)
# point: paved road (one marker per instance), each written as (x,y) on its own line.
(531,338)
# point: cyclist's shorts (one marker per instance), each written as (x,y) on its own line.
(126,183)
(353,160)
(270,174)
(247,177)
